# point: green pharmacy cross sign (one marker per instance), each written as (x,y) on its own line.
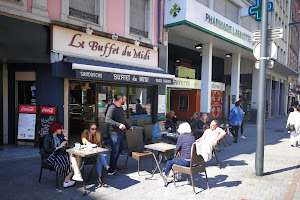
(256,9)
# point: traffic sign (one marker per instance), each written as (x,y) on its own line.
(271,50)
(270,64)
(273,33)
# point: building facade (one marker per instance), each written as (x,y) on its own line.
(215,46)
(80,54)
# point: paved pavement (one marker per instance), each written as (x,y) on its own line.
(235,180)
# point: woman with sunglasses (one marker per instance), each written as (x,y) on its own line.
(93,136)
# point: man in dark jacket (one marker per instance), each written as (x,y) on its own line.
(116,119)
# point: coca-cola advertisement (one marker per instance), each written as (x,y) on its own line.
(47,116)
(27,109)
(26,122)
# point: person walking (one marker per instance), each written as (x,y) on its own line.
(294,119)
(93,136)
(236,117)
(116,119)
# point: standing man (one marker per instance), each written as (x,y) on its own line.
(138,109)
(236,118)
(116,119)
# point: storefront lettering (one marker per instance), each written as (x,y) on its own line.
(226,27)
(144,79)
(158,80)
(91,74)
(215,86)
(121,77)
(79,44)
(108,48)
(167,81)
(182,83)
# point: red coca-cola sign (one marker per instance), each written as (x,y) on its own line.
(47,110)
(27,109)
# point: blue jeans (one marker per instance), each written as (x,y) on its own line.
(177,161)
(100,162)
(116,148)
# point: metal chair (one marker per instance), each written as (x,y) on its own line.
(136,147)
(197,166)
(148,120)
(44,164)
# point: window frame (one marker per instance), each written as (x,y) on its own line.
(149,23)
(188,106)
(100,10)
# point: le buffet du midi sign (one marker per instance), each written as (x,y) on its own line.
(79,44)
(195,14)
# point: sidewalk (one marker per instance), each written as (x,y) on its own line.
(235,180)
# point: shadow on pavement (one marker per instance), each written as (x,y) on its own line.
(282,170)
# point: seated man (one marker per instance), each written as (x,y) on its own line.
(209,140)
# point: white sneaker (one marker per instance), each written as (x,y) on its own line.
(230,135)
(77,177)
(68,184)
(243,137)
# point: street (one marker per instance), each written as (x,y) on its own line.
(235,180)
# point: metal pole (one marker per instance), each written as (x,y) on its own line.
(260,127)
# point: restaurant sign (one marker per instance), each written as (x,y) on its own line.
(108,76)
(79,44)
(195,84)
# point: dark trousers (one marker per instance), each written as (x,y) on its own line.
(235,131)
(116,148)
(242,128)
(177,161)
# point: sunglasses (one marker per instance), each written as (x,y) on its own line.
(93,129)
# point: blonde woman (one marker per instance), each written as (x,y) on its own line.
(93,136)
(203,121)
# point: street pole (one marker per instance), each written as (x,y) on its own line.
(260,127)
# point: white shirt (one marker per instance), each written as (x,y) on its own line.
(211,135)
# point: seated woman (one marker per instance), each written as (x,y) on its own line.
(93,136)
(195,120)
(184,145)
(171,121)
(53,142)
(159,130)
(203,123)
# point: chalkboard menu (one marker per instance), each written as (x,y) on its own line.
(47,116)
(27,122)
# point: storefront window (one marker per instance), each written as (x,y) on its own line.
(89,101)
(183,103)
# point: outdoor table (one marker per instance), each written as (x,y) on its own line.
(84,154)
(171,136)
(161,147)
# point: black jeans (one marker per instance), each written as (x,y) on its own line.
(235,131)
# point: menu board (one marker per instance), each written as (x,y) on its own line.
(27,122)
(47,116)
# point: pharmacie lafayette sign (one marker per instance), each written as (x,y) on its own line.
(79,44)
(195,84)
(107,76)
(196,15)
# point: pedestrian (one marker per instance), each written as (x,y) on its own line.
(203,123)
(294,119)
(138,107)
(184,145)
(236,117)
(55,153)
(194,120)
(93,136)
(116,119)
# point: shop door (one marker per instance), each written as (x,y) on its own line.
(26,92)
(82,110)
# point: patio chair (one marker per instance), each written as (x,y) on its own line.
(44,164)
(140,121)
(136,147)
(148,130)
(148,120)
(129,121)
(197,166)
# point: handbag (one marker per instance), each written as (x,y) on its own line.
(290,127)
(60,151)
